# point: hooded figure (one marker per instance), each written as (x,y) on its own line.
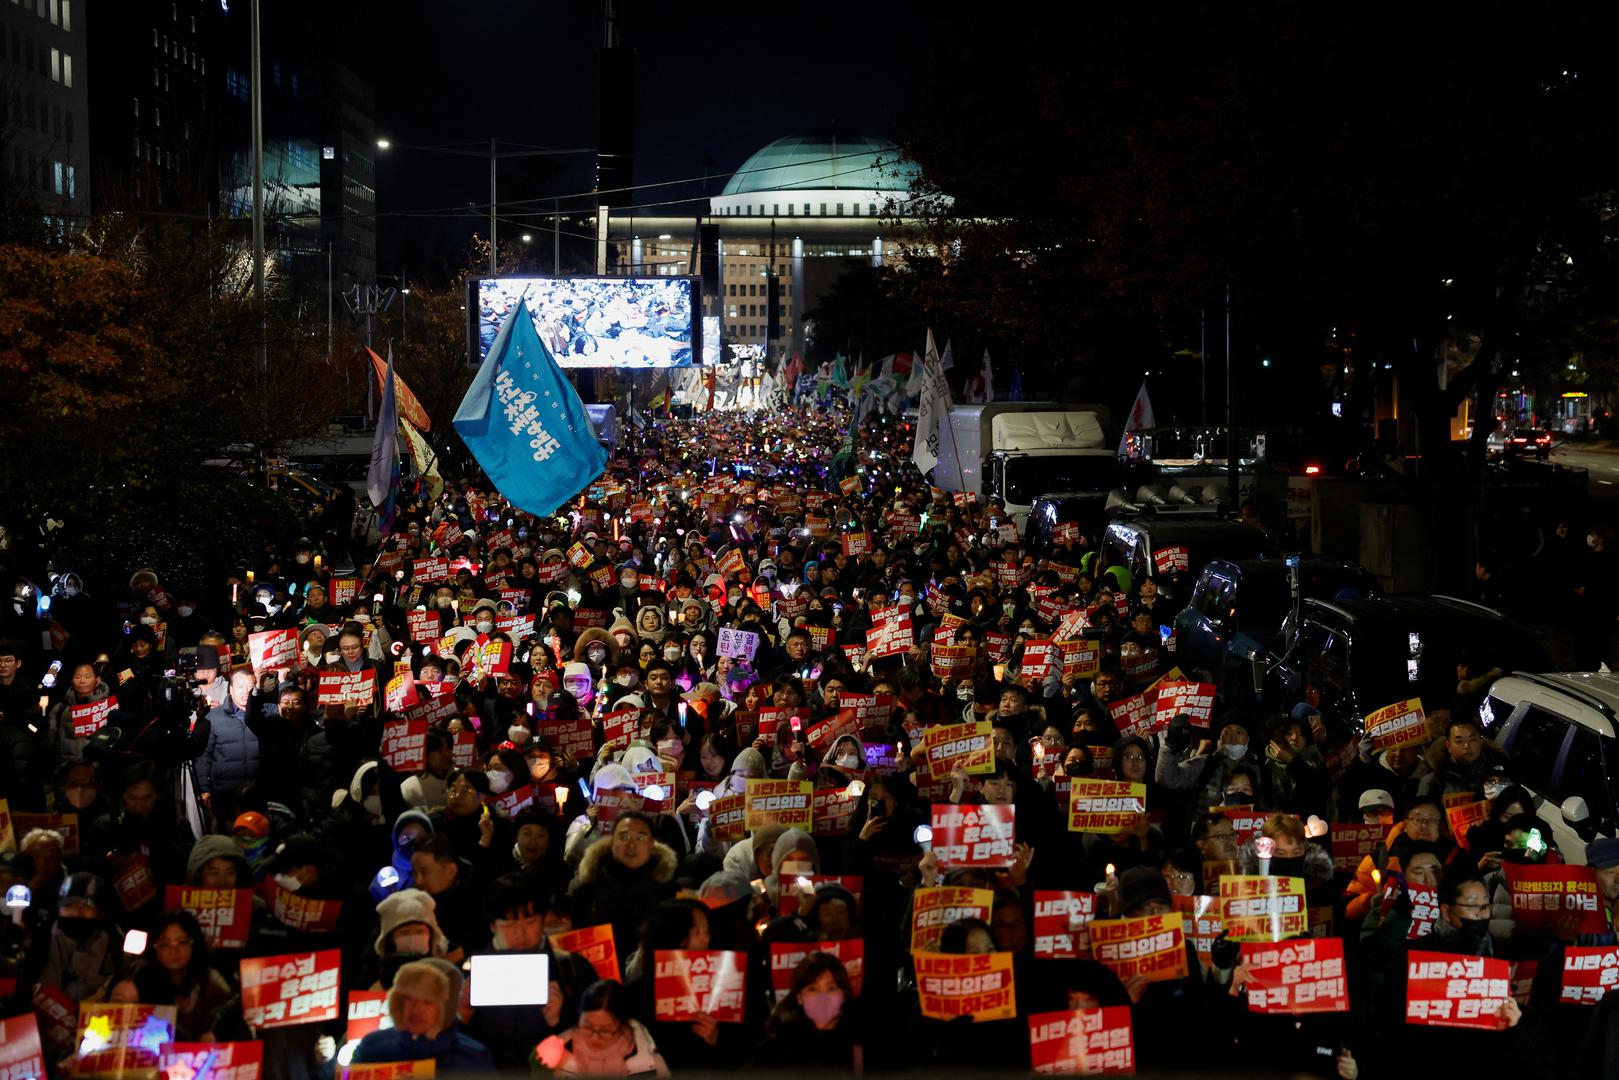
(214,846)
(793,855)
(422,1005)
(651,625)
(599,661)
(405,908)
(403,877)
(581,831)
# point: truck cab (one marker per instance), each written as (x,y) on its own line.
(1017,451)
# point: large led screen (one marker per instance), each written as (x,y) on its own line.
(595,322)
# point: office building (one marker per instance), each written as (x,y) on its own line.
(44,107)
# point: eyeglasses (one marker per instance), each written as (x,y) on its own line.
(462,789)
(601,1033)
(1482,905)
(1424,820)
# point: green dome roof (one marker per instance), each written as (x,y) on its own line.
(821,160)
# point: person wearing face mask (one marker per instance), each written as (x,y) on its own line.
(1292,855)
(1203,775)
(596,649)
(79,956)
(816,1025)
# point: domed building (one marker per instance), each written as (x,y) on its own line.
(793,216)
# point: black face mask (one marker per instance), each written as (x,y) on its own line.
(1287,867)
(1075,768)
(1479,928)
(77,927)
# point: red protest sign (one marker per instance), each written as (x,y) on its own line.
(1448,990)
(831,809)
(134,882)
(951,985)
(967,747)
(273,650)
(302,912)
(551,573)
(437,709)
(118,1041)
(1424,910)
(225,915)
(892,637)
(404,745)
(805,886)
(785,956)
(577,737)
(424,627)
(690,983)
(366,1008)
(65,824)
(1245,822)
(1040,655)
(344,590)
(620,726)
(1133,715)
(295,988)
(400,693)
(973,835)
(1195,699)
(1105,806)
(1397,725)
(856,544)
(1258,907)
(823,733)
(727,817)
(347,687)
(1171,560)
(424,571)
(1352,843)
(934,908)
(1464,815)
(1542,896)
(1062,924)
(1589,972)
(868,712)
(91,718)
(779,802)
(224,1061)
(1200,919)
(464,749)
(1082,1042)
(1297,977)
(595,944)
(22,1055)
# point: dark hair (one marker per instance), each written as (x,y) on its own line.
(1463,718)
(607,996)
(506,895)
(789,1012)
(196,972)
(1451,887)
(658,664)
(438,845)
(671,921)
(953,938)
(635,815)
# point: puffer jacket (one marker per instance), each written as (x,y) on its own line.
(66,746)
(232,756)
(606,891)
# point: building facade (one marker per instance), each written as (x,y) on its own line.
(45,108)
(789,222)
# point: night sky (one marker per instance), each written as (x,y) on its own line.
(714,83)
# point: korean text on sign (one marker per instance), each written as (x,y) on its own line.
(296,988)
(1448,990)
(1258,907)
(1105,806)
(1153,947)
(1296,977)
(1082,1042)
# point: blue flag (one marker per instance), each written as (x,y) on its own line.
(525,424)
(382,480)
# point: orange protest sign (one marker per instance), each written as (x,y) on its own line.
(1258,907)
(934,908)
(1153,947)
(977,985)
(595,944)
(295,988)
(779,802)
(967,747)
(1082,1042)
(117,1041)
(1105,806)
(690,983)
(1397,725)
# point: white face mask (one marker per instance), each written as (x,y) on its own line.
(517,733)
(670,655)
(302,559)
(70,590)
(1236,751)
(499,780)
(418,942)
(185,612)
(288,882)
(848,761)
(148,620)
(373,805)
(484,626)
(596,654)
(625,680)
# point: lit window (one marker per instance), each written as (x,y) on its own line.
(56,12)
(67,70)
(56,168)
(72,183)
(154,37)
(67,15)
(137,106)
(56,65)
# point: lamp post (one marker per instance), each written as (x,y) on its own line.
(495,155)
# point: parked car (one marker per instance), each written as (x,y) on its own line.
(1560,730)
(1139,544)
(1352,657)
(1520,442)
(1237,611)
(1087,509)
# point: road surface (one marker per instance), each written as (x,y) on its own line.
(1601,461)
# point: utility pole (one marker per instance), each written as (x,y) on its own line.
(371,301)
(556,237)
(1231,411)
(257,134)
(330,297)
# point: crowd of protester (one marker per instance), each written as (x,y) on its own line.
(696,616)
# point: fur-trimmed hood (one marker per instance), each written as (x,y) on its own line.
(432,979)
(664,861)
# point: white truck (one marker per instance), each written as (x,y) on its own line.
(1020,450)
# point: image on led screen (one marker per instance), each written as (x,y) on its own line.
(597,322)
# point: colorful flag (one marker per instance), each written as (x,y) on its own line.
(933,411)
(409,407)
(525,424)
(1140,416)
(382,481)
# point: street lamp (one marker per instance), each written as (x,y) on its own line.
(527,238)
(494,155)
